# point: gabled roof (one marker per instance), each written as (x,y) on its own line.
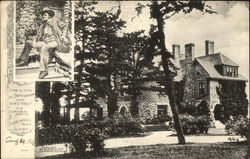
(209,62)
(218,59)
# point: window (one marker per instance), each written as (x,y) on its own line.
(230,71)
(201,88)
(161,110)
(233,72)
(236,72)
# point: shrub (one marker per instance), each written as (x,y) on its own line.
(81,136)
(194,125)
(158,120)
(120,125)
(188,124)
(90,134)
(238,126)
(203,123)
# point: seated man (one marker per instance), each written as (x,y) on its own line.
(48,39)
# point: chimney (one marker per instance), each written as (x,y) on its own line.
(209,46)
(176,51)
(189,51)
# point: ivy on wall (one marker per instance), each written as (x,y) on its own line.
(28,17)
(27,20)
(233,99)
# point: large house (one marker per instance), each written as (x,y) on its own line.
(206,76)
(198,80)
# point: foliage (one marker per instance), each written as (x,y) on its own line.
(233,99)
(119,125)
(157,120)
(26,18)
(134,66)
(161,11)
(98,52)
(201,109)
(90,134)
(43,92)
(82,137)
(238,126)
(50,93)
(194,125)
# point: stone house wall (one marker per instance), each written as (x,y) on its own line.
(195,75)
(148,103)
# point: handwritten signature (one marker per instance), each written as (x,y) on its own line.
(18,141)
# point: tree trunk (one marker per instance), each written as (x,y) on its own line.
(55,110)
(112,103)
(78,93)
(169,79)
(134,110)
(46,103)
(68,115)
(46,112)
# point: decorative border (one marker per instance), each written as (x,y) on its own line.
(10,42)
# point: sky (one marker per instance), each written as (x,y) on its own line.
(229,29)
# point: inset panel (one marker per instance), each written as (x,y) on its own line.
(43,49)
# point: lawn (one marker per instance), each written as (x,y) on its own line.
(188,151)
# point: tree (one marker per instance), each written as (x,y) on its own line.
(50,93)
(83,11)
(43,92)
(55,95)
(160,12)
(98,55)
(134,66)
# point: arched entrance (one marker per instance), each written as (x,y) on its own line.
(219,112)
(123,110)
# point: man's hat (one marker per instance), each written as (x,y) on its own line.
(49,11)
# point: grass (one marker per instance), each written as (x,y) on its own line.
(188,151)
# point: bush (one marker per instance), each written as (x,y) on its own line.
(203,123)
(188,124)
(120,125)
(82,137)
(90,134)
(238,126)
(194,125)
(158,120)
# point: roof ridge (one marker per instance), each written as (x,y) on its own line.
(210,55)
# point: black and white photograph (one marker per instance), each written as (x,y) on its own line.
(154,79)
(125,79)
(43,41)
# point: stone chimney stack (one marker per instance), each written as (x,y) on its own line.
(176,51)
(209,46)
(189,51)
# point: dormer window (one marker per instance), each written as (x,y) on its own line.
(230,71)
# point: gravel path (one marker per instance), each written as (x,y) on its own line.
(164,137)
